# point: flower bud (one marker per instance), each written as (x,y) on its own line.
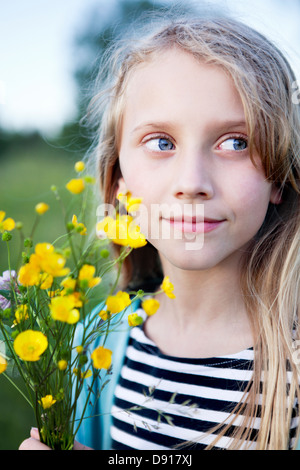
(6,236)
(104,253)
(28,243)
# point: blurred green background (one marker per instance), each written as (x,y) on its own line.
(33,160)
(29,166)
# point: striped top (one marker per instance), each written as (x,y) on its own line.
(163,401)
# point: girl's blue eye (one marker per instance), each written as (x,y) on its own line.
(234,144)
(159,144)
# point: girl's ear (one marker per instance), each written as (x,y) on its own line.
(276,195)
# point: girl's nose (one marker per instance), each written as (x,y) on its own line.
(194,177)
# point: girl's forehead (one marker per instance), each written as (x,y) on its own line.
(174,79)
(176,66)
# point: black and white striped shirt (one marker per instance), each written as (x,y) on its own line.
(163,401)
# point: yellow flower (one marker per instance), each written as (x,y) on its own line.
(135,239)
(3,364)
(168,287)
(75,297)
(43,260)
(106,228)
(62,309)
(78,226)
(117,303)
(62,364)
(82,374)
(134,319)
(68,283)
(21,314)
(46,281)
(30,345)
(132,204)
(101,358)
(86,274)
(29,275)
(104,314)
(79,166)
(150,306)
(79,349)
(47,260)
(86,374)
(47,401)
(7,224)
(122,231)
(41,208)
(75,186)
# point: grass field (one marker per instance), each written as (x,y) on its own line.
(28,170)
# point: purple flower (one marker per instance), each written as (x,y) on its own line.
(5,284)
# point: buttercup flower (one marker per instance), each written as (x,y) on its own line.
(131,204)
(47,260)
(43,260)
(168,287)
(104,314)
(76,298)
(46,281)
(62,364)
(3,364)
(41,208)
(75,186)
(79,166)
(117,303)
(86,274)
(21,314)
(80,228)
(47,401)
(68,283)
(29,275)
(122,231)
(82,374)
(6,224)
(134,319)
(86,374)
(62,309)
(150,306)
(101,358)
(30,345)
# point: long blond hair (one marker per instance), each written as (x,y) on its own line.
(270,272)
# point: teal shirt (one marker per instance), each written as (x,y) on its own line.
(95,428)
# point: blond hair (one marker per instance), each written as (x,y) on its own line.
(270,272)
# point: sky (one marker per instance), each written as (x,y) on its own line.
(37,91)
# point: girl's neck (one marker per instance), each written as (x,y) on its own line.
(208,316)
(205,295)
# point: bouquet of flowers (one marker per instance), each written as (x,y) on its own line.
(43,299)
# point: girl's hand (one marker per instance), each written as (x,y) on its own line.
(33,443)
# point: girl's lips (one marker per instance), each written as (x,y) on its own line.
(191,225)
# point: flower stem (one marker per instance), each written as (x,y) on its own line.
(19,390)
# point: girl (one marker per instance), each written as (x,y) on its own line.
(199,121)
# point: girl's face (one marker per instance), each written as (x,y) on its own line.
(184,150)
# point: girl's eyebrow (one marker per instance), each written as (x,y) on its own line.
(216,124)
(230,124)
(158,125)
